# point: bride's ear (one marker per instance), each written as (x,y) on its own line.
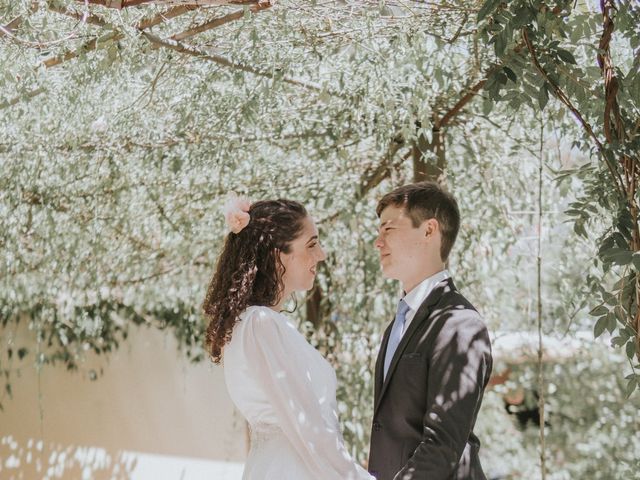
(277,254)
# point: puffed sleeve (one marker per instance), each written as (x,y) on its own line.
(287,371)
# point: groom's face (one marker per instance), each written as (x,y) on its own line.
(402,246)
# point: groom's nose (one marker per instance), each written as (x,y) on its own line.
(378,242)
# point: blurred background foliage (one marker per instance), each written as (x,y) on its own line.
(121,131)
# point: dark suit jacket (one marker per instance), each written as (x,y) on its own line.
(426,408)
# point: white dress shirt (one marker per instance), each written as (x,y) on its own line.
(419,294)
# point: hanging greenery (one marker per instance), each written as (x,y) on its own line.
(123,124)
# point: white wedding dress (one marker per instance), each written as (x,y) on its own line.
(287,392)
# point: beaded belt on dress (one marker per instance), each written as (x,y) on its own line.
(261,432)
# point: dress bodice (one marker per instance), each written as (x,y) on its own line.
(285,388)
(250,346)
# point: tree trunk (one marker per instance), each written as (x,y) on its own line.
(429,158)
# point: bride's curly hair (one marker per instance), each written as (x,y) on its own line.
(249,270)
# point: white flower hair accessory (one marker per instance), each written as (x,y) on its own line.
(236,212)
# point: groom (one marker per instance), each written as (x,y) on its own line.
(435,359)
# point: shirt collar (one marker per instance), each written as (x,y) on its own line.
(420,292)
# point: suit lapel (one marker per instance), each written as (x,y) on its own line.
(421,315)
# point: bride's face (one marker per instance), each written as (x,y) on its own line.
(300,263)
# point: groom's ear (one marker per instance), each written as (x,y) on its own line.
(431,227)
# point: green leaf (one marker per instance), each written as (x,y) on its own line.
(500,43)
(385,11)
(488,7)
(599,310)
(510,74)
(631,349)
(617,256)
(631,386)
(567,56)
(620,241)
(617,341)
(543,96)
(611,322)
(579,229)
(523,15)
(625,333)
(598,329)
(487,106)
(516,102)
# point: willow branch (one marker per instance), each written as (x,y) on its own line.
(11,26)
(541,379)
(120,4)
(466,98)
(567,102)
(28,95)
(614,129)
(94,43)
(376,174)
(83,17)
(472,91)
(197,52)
(217,22)
(611,108)
(373,178)
(164,16)
(383,169)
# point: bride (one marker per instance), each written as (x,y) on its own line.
(281,384)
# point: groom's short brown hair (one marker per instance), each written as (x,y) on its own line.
(423,201)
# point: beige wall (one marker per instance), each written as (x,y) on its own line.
(149,399)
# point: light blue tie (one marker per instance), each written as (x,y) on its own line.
(396,334)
